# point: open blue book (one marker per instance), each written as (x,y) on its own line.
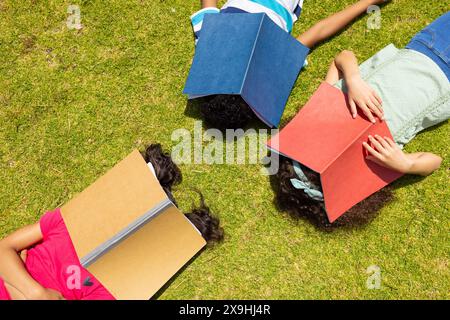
(246,54)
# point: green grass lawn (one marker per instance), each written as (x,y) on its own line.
(73,103)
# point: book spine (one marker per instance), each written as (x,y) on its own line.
(105,247)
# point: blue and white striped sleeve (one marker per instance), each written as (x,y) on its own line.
(197,20)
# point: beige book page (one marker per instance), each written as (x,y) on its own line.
(111,203)
(142,263)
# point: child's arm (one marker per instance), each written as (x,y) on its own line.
(334,74)
(209,3)
(12,268)
(424,163)
(387,154)
(331,25)
(360,94)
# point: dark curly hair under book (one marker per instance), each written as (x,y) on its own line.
(299,204)
(226,112)
(168,174)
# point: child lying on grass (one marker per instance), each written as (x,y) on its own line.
(33,257)
(232,112)
(407,88)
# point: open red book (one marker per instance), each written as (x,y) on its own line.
(324,137)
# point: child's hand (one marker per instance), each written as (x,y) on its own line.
(361,95)
(387,154)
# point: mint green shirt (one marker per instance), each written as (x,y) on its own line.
(414,90)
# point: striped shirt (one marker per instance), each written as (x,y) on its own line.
(283,12)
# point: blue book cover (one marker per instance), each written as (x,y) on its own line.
(248,55)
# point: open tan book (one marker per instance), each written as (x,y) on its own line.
(128,233)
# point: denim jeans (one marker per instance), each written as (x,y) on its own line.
(434,42)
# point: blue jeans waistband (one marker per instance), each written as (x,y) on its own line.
(434,42)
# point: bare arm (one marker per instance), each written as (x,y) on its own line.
(334,74)
(14,293)
(423,163)
(360,94)
(12,268)
(209,3)
(347,63)
(331,25)
(386,153)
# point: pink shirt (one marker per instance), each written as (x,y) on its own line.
(55,265)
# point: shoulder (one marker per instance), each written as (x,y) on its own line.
(51,223)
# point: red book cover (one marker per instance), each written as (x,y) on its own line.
(324,137)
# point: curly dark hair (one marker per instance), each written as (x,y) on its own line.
(226,112)
(169,175)
(208,225)
(167,172)
(299,204)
